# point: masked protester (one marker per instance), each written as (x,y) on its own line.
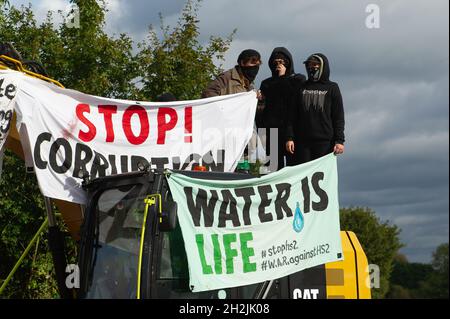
(276,94)
(316,116)
(238,79)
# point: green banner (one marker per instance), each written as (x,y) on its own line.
(242,232)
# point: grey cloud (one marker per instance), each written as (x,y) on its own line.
(409,33)
(422,240)
(135,16)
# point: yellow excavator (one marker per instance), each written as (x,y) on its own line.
(72,212)
(145,257)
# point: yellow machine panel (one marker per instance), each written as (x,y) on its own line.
(349,278)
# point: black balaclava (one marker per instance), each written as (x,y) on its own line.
(249,72)
(314,73)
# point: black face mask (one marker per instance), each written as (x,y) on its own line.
(250,72)
(314,73)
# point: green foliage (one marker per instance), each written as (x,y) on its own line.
(399,292)
(399,279)
(84,58)
(424,281)
(409,275)
(440,259)
(21,214)
(407,278)
(178,63)
(89,60)
(436,284)
(379,240)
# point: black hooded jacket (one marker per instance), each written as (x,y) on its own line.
(278,92)
(317,112)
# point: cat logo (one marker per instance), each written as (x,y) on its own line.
(305,293)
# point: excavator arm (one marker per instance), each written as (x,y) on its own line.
(71,213)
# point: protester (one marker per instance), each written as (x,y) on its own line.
(238,79)
(277,91)
(316,116)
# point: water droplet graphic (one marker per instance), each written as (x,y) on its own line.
(298,219)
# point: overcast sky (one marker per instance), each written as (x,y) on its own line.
(394,81)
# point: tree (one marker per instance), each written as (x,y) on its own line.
(178,63)
(398,292)
(417,280)
(89,60)
(436,285)
(407,278)
(21,205)
(105,68)
(21,214)
(379,240)
(85,58)
(440,259)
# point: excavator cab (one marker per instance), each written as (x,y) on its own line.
(132,247)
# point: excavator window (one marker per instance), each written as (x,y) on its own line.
(119,217)
(173,262)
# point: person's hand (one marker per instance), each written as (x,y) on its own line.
(338,149)
(290,146)
(281,69)
(259,95)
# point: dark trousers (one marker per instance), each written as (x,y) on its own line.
(281,146)
(307,152)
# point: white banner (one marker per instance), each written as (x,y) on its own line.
(8,89)
(71,133)
(242,232)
